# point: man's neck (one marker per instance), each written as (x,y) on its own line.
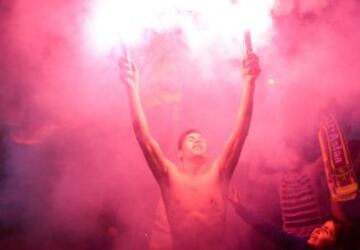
(194,166)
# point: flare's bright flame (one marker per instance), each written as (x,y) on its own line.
(202,22)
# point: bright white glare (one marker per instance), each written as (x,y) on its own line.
(202,22)
(271,81)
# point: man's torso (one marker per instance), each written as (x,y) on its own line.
(195,208)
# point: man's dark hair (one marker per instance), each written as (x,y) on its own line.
(340,234)
(184,134)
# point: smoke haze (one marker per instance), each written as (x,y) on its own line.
(70,152)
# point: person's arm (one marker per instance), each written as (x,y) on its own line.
(155,158)
(230,155)
(265,227)
(269,230)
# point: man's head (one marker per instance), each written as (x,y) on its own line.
(191,144)
(325,236)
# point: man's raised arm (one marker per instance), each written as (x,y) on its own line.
(231,152)
(155,158)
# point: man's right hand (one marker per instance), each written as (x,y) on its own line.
(250,67)
(129,74)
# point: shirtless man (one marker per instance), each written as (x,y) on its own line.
(194,193)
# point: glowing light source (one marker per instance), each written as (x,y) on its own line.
(271,81)
(202,22)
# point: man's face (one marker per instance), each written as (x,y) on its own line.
(194,145)
(323,236)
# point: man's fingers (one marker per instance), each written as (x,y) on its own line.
(234,195)
(133,68)
(125,71)
(252,70)
(125,66)
(254,67)
(124,63)
(250,62)
(125,59)
(251,57)
(251,65)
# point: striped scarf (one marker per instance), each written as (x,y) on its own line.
(299,206)
(339,171)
